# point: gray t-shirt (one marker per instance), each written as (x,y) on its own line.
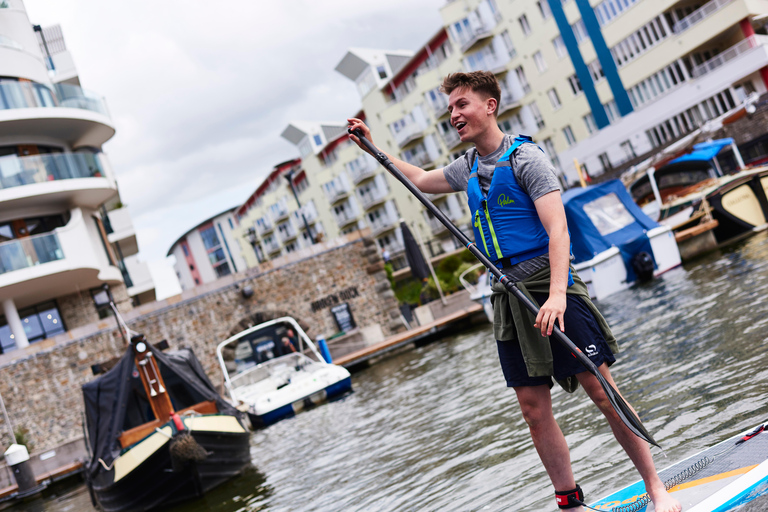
(534,173)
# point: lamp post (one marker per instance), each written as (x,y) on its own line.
(289,176)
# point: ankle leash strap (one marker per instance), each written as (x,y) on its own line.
(569,499)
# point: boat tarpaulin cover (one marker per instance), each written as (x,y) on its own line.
(116,401)
(704,151)
(604,215)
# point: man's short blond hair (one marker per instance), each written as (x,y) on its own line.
(481,82)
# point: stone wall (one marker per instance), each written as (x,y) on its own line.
(78,309)
(41,386)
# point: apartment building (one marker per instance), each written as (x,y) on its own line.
(208,251)
(63,234)
(601,82)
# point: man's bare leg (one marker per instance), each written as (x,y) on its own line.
(548,439)
(637,449)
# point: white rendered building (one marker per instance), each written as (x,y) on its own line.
(59,241)
(208,251)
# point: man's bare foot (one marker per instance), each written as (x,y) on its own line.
(663,501)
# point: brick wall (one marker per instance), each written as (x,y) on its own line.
(78,309)
(42,389)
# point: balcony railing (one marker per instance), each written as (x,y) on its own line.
(335,190)
(343,218)
(271,246)
(451,138)
(698,15)
(265,226)
(371,197)
(508,102)
(362,167)
(408,133)
(419,159)
(287,232)
(381,224)
(29,251)
(16,171)
(278,211)
(15,94)
(485,61)
(729,54)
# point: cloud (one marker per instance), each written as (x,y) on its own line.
(199,92)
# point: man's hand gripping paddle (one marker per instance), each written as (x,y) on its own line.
(626,414)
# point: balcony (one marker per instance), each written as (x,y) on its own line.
(508,102)
(286,232)
(409,133)
(438,102)
(72,178)
(123,232)
(68,113)
(140,276)
(371,196)
(698,15)
(362,168)
(279,211)
(271,246)
(41,267)
(344,218)
(419,158)
(309,213)
(451,139)
(264,226)
(336,190)
(394,249)
(728,55)
(381,223)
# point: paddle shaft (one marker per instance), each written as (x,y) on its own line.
(472,247)
(625,413)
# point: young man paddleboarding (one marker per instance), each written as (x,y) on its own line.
(519,223)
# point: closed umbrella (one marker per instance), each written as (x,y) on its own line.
(419,268)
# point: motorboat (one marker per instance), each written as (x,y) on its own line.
(704,207)
(479,292)
(157,431)
(614,243)
(275,371)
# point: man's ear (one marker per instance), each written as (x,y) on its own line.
(491,106)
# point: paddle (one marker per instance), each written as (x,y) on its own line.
(622,408)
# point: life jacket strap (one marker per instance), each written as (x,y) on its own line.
(570,499)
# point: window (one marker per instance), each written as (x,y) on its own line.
(101,301)
(318,140)
(580,31)
(40,322)
(210,240)
(222,270)
(524,25)
(549,149)
(185,249)
(569,137)
(536,114)
(589,120)
(596,70)
(508,43)
(575,84)
(612,111)
(544,9)
(520,73)
(381,70)
(231,225)
(605,161)
(629,151)
(560,50)
(541,64)
(554,98)
(608,214)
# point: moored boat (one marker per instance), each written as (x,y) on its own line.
(613,242)
(158,432)
(276,371)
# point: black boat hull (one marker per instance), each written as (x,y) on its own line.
(153,483)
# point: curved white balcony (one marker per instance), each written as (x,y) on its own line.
(68,113)
(41,267)
(123,232)
(64,178)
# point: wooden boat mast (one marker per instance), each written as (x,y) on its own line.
(149,372)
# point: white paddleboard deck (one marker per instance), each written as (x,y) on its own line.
(717,479)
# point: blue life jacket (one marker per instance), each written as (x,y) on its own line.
(505,222)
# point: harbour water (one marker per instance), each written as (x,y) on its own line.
(435,428)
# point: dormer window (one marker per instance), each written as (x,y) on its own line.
(382,71)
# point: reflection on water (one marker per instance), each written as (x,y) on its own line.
(436,429)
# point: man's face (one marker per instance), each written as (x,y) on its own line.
(470,113)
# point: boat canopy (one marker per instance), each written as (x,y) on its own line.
(116,401)
(603,216)
(704,151)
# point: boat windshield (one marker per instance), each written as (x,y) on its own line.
(274,342)
(608,214)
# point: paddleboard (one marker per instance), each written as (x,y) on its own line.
(718,479)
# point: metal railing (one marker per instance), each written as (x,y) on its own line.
(16,171)
(729,54)
(344,218)
(451,138)
(29,251)
(265,226)
(381,223)
(407,133)
(698,15)
(370,197)
(14,94)
(362,167)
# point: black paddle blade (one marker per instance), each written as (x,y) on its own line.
(625,413)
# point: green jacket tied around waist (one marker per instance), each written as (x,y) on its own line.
(511,320)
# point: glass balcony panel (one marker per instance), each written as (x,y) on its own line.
(26,170)
(14,94)
(29,251)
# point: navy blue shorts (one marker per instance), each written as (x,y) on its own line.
(580,326)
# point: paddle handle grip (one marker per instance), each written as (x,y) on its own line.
(472,247)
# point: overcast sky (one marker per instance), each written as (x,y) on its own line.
(199,92)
